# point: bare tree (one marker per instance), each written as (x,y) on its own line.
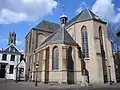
(112,30)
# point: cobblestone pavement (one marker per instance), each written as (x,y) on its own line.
(11,85)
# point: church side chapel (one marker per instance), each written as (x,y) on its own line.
(72,52)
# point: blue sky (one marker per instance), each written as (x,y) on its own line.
(21,15)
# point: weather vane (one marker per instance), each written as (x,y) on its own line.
(63,9)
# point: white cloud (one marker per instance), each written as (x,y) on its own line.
(106,10)
(14,11)
(79,10)
(83,5)
(8,16)
(3,39)
(119,9)
(22,50)
(117,18)
(18,42)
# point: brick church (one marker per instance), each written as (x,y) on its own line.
(65,52)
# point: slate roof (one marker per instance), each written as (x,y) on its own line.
(60,36)
(12,46)
(85,15)
(8,52)
(47,26)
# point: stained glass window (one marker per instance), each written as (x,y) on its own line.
(84,35)
(100,36)
(55,58)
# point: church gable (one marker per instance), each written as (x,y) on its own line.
(60,36)
(85,15)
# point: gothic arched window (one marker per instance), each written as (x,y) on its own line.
(84,36)
(55,58)
(100,36)
(101,42)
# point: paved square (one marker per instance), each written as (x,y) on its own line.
(11,85)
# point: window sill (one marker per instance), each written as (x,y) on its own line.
(98,53)
(4,60)
(55,70)
(86,58)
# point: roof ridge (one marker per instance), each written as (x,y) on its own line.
(14,47)
(75,17)
(89,12)
(47,26)
(49,22)
(60,36)
(85,14)
(49,36)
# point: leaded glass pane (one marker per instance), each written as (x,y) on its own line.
(85,42)
(100,36)
(55,58)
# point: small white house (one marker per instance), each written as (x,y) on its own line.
(12,63)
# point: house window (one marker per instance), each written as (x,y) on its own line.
(4,57)
(11,69)
(55,58)
(12,49)
(12,58)
(84,36)
(21,57)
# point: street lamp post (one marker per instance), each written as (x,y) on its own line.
(37,65)
(16,74)
(110,82)
(17,69)
(6,71)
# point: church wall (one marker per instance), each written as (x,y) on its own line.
(78,74)
(39,59)
(73,74)
(32,41)
(40,37)
(91,62)
(27,72)
(111,62)
(98,48)
(108,50)
(55,75)
(60,75)
(42,68)
(28,55)
(33,68)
